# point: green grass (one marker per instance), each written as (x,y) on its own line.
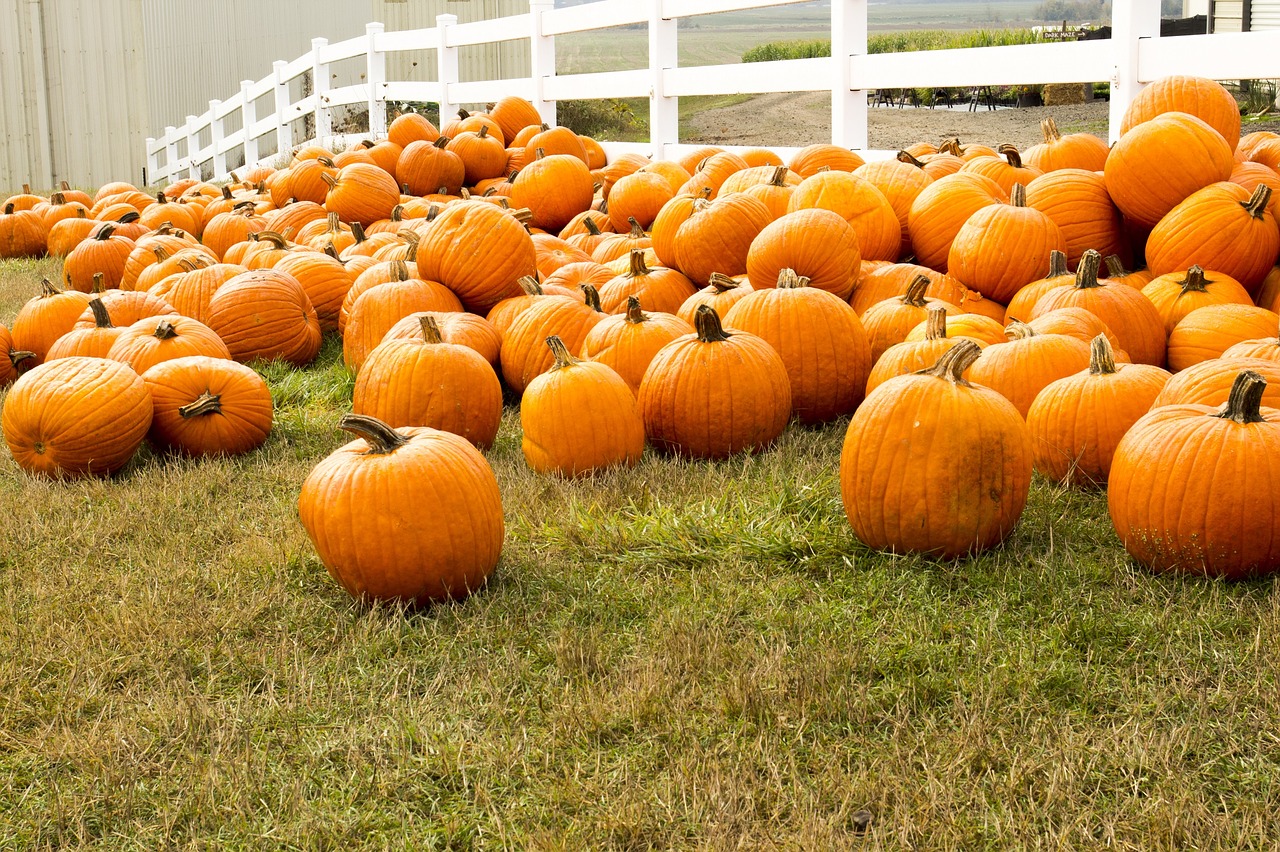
(896,42)
(679,655)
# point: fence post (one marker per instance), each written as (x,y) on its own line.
(320,88)
(170,152)
(848,105)
(446,65)
(248,118)
(376,77)
(216,135)
(542,59)
(193,147)
(1131,20)
(664,112)
(284,137)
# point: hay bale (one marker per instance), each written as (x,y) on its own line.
(1057,94)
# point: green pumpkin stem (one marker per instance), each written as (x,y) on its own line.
(915,292)
(206,403)
(1246,399)
(430,329)
(707,322)
(380,437)
(1194,282)
(1087,273)
(1257,203)
(101,319)
(564,358)
(954,362)
(635,316)
(1102,361)
(440,142)
(935,323)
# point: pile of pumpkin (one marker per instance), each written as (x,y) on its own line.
(970,307)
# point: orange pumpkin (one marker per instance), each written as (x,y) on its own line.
(208,406)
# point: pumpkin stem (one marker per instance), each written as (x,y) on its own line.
(915,291)
(484,132)
(722,283)
(430,329)
(789,280)
(47,289)
(205,403)
(335,224)
(635,316)
(99,283)
(101,318)
(1058,264)
(1087,273)
(127,219)
(592,228)
(905,157)
(1049,129)
(433,210)
(1102,361)
(529,285)
(274,238)
(637,267)
(538,153)
(564,358)
(165,330)
(399,270)
(17,357)
(954,362)
(332,250)
(1018,196)
(592,296)
(951,146)
(105,231)
(160,197)
(357,231)
(1011,154)
(397,213)
(380,437)
(8,209)
(707,322)
(1115,267)
(329,179)
(1245,400)
(58,199)
(1018,330)
(637,232)
(1194,281)
(935,323)
(779,176)
(226,193)
(440,142)
(1258,202)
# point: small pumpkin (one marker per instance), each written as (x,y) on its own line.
(208,406)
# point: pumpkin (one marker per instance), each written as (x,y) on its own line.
(1076,422)
(1078,203)
(638,196)
(911,356)
(858,202)
(422,380)
(555,140)
(1082,151)
(208,406)
(44,318)
(513,114)
(715,392)
(190,291)
(1123,308)
(1079,323)
(910,477)
(64,236)
(1208,332)
(579,417)
(1117,273)
(104,252)
(776,192)
(900,183)
(1205,99)
(941,210)
(1221,227)
(411,127)
(379,308)
(555,187)
(820,339)
(1006,172)
(981,329)
(889,321)
(1191,486)
(1209,382)
(154,339)
(227,229)
(1266,348)
(265,314)
(457,327)
(710,175)
(524,354)
(722,293)
(627,342)
(324,279)
(411,515)
(1023,303)
(22,233)
(816,243)
(94,342)
(890,280)
(76,417)
(709,236)
(12,361)
(1002,247)
(812,159)
(1162,161)
(1179,293)
(361,192)
(478,251)
(571,276)
(1021,367)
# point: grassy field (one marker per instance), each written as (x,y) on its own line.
(680,655)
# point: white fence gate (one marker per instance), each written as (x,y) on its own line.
(1133,56)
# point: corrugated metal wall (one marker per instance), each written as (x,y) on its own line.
(1264,15)
(24,144)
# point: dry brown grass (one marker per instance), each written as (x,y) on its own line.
(677,656)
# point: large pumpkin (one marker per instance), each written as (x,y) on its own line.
(1208,100)
(1196,489)
(477,250)
(940,211)
(817,244)
(627,342)
(413,515)
(1002,247)
(858,202)
(1078,203)
(1222,227)
(266,314)
(1207,332)
(933,464)
(1021,367)
(76,417)
(208,406)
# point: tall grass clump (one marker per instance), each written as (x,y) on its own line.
(895,42)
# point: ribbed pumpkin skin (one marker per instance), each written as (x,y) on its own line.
(11,360)
(458,327)
(817,243)
(1003,247)
(1207,332)
(477,251)
(1162,161)
(325,281)
(889,322)
(127,307)
(556,188)
(659,289)
(363,193)
(982,330)
(22,234)
(580,417)
(104,253)
(1076,422)
(894,279)
(1205,99)
(76,417)
(45,318)
(821,342)
(1197,493)
(266,314)
(92,341)
(191,292)
(410,382)
(1020,368)
(1213,228)
(711,398)
(426,167)
(858,202)
(420,523)
(1079,323)
(935,466)
(524,352)
(722,293)
(154,339)
(627,342)
(900,183)
(379,308)
(208,406)
(1078,203)
(940,211)
(717,236)
(1209,382)
(1177,294)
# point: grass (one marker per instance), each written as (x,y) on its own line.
(679,655)
(894,42)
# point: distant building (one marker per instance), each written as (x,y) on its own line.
(1243,16)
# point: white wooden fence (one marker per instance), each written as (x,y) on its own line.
(1133,56)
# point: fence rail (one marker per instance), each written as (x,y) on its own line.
(1133,56)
